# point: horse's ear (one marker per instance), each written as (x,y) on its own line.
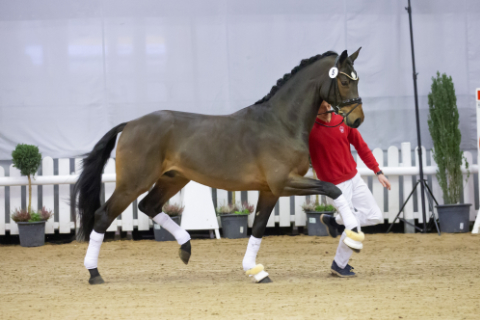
(355,55)
(343,57)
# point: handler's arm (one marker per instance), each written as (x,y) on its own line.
(366,155)
(363,150)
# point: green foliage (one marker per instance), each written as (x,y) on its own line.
(34,217)
(27,159)
(443,124)
(318,207)
(243,209)
(21,215)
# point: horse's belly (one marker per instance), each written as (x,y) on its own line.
(235,181)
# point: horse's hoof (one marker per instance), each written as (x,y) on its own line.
(185,252)
(261,276)
(95,277)
(265,280)
(96,280)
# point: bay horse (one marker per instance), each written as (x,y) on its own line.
(262,147)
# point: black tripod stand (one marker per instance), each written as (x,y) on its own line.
(431,199)
(422,182)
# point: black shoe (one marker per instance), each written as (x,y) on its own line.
(342,273)
(332,225)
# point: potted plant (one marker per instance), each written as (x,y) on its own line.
(443,124)
(175,212)
(235,219)
(31,225)
(314,210)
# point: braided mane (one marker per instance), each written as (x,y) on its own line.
(286,77)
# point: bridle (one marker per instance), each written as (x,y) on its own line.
(337,106)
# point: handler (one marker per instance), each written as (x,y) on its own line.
(333,162)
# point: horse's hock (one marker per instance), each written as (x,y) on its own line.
(400,276)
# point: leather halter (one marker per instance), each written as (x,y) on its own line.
(337,106)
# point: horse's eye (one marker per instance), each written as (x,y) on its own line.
(344,83)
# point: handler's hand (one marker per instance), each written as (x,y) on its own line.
(384,181)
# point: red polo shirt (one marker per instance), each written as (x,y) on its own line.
(330,151)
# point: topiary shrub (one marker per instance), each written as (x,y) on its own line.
(443,124)
(27,159)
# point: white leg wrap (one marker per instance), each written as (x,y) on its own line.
(349,220)
(168,224)
(91,259)
(251,254)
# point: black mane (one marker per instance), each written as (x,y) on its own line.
(286,77)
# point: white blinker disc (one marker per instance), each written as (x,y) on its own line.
(333,72)
(354,76)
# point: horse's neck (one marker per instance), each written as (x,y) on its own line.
(296,106)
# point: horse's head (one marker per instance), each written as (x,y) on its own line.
(342,91)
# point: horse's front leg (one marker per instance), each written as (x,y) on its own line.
(265,205)
(305,186)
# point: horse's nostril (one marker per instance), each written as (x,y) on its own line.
(356,123)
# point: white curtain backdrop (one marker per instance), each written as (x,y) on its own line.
(71,70)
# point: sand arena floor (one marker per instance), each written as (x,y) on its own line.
(399,277)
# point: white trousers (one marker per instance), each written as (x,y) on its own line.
(366,211)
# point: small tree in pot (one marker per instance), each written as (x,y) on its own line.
(443,124)
(175,212)
(234,219)
(31,225)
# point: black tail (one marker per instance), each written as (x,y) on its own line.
(89,184)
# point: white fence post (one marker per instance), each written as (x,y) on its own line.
(394,193)
(300,215)
(284,211)
(48,200)
(252,199)
(15,199)
(2,204)
(377,188)
(78,171)
(64,209)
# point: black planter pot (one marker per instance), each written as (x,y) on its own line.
(454,217)
(162,234)
(314,226)
(234,226)
(32,234)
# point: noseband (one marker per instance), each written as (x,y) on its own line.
(337,106)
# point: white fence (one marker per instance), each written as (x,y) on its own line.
(288,210)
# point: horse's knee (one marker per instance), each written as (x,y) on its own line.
(102,221)
(332,191)
(142,206)
(151,209)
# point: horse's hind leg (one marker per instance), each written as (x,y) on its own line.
(265,205)
(165,188)
(104,216)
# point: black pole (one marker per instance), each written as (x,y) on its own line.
(419,140)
